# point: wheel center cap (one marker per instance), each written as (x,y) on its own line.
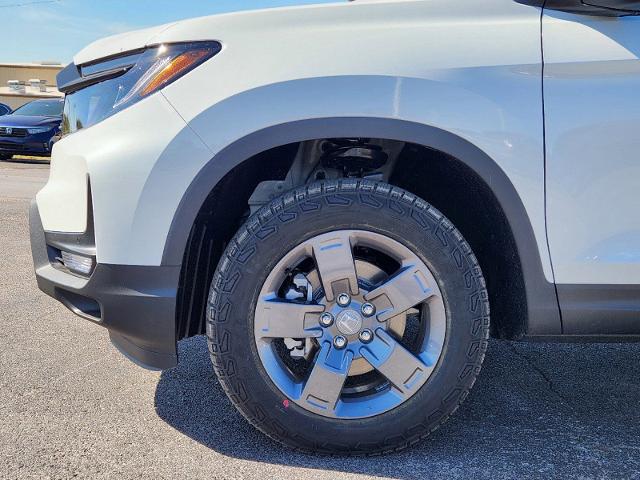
(349,322)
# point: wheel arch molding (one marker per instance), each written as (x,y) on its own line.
(542,313)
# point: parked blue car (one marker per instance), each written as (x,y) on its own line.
(30,129)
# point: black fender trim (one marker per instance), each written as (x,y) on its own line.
(543,316)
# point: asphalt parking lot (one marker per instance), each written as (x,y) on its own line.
(72,406)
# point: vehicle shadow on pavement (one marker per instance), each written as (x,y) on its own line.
(536,411)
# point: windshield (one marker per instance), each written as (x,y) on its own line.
(44,108)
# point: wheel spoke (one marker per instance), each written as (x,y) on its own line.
(323,387)
(407,288)
(276,318)
(334,260)
(403,369)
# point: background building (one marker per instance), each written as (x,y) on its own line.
(22,82)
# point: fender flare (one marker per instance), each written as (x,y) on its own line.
(542,304)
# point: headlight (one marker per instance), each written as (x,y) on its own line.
(108,86)
(33,131)
(159,67)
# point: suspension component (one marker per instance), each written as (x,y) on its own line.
(354,156)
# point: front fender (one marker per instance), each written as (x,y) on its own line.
(480,116)
(484,108)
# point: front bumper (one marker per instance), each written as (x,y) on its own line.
(38,145)
(135,303)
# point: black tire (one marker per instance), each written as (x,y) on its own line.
(5,157)
(319,208)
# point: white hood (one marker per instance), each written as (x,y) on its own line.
(213,27)
(122,42)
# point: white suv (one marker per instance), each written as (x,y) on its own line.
(335,195)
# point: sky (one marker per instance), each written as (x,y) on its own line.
(54,30)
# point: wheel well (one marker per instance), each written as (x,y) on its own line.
(219,218)
(445,182)
(463,197)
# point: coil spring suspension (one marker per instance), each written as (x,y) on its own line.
(354,156)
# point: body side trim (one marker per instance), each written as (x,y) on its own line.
(589,309)
(603,338)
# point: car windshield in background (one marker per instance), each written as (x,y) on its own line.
(41,108)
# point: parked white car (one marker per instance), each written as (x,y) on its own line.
(336,194)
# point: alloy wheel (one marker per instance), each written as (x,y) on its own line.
(350,324)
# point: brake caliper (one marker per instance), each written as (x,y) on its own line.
(300,289)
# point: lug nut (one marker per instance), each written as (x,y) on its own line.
(368,309)
(366,336)
(326,319)
(343,299)
(339,342)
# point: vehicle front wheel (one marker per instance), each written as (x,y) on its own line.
(348,317)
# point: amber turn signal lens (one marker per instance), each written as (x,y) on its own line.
(175,68)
